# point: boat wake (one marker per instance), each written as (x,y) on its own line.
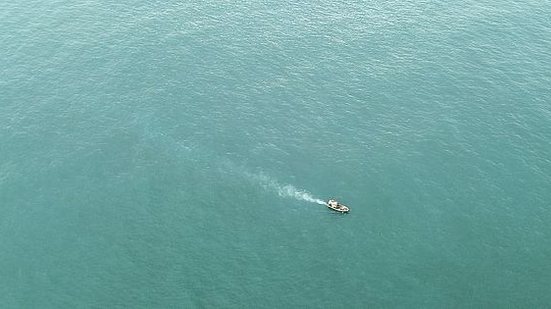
(290,191)
(286,191)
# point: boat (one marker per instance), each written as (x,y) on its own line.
(336,206)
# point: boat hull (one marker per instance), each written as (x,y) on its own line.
(340,208)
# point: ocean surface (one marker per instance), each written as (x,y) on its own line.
(173,154)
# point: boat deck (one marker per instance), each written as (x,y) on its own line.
(336,206)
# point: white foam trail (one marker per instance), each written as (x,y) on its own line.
(290,191)
(287,191)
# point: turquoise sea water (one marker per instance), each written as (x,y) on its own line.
(158,154)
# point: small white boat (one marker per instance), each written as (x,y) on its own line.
(336,206)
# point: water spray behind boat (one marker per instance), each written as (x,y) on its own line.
(290,191)
(287,191)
